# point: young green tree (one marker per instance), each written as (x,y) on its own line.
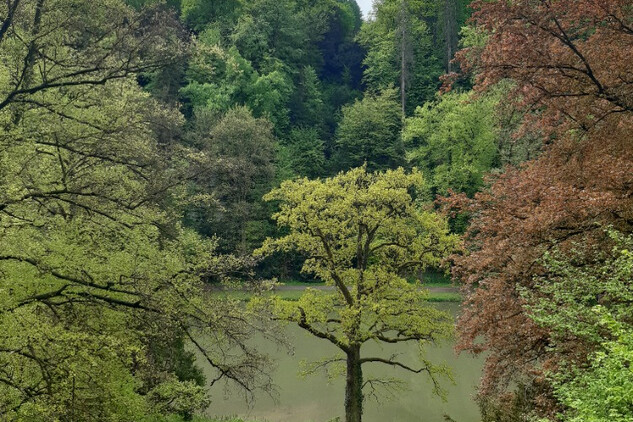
(362,233)
(369,132)
(454,141)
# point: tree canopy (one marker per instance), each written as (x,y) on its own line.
(369,132)
(455,141)
(363,234)
(100,283)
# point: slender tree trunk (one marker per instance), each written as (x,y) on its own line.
(353,386)
(403,56)
(450,31)
(403,83)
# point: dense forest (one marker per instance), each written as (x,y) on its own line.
(155,152)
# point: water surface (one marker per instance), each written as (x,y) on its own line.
(315,399)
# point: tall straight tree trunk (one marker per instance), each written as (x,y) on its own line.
(403,56)
(403,83)
(450,31)
(354,386)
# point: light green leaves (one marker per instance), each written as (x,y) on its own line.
(454,141)
(361,233)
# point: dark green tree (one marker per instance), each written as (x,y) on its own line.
(369,132)
(200,14)
(241,152)
(304,154)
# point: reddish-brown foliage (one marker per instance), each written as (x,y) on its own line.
(572,61)
(571,56)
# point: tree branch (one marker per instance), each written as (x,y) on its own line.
(303,323)
(397,364)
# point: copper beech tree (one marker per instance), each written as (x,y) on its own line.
(570,62)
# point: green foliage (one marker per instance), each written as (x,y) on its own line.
(95,266)
(369,132)
(454,141)
(381,62)
(603,392)
(199,14)
(408,43)
(272,33)
(564,301)
(241,152)
(220,79)
(304,153)
(91,267)
(362,233)
(307,105)
(590,306)
(194,419)
(139,4)
(82,254)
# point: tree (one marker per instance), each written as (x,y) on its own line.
(362,233)
(95,266)
(303,152)
(569,74)
(92,267)
(241,152)
(567,65)
(307,105)
(35,60)
(200,14)
(395,40)
(454,141)
(410,44)
(370,132)
(221,78)
(275,34)
(342,55)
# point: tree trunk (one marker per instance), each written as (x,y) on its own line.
(403,76)
(403,57)
(450,31)
(353,386)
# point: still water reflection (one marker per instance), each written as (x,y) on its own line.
(314,399)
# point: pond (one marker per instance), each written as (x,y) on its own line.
(314,399)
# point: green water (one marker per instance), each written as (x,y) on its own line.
(314,399)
